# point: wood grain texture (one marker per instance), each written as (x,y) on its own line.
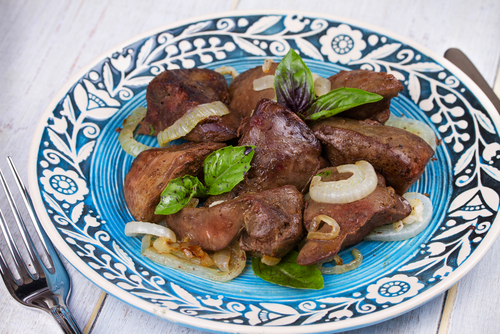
(44,43)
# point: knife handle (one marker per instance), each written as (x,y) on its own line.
(458,58)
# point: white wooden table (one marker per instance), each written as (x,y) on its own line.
(43,43)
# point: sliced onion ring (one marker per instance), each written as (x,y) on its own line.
(227,70)
(387,232)
(414,126)
(134,229)
(343,268)
(190,119)
(361,184)
(263,83)
(126,136)
(236,264)
(323,236)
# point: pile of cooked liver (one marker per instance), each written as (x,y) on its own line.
(266,212)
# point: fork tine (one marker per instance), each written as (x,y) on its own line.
(31,210)
(14,251)
(6,273)
(24,233)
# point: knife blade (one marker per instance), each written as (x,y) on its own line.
(460,60)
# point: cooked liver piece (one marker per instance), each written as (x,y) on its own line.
(173,92)
(243,97)
(379,83)
(286,153)
(153,169)
(270,222)
(356,220)
(398,155)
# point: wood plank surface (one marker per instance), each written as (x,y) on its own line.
(44,43)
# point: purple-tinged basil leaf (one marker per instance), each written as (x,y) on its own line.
(293,83)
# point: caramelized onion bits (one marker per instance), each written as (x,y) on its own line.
(190,119)
(194,266)
(362,183)
(343,268)
(266,67)
(323,236)
(414,126)
(263,83)
(134,229)
(126,136)
(270,261)
(421,210)
(227,70)
(321,85)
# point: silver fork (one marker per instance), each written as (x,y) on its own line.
(46,288)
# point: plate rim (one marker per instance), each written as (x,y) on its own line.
(202,324)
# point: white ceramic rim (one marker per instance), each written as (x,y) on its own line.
(348,324)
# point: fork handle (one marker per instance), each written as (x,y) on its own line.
(65,319)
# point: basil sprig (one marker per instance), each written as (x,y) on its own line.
(293,83)
(223,170)
(294,88)
(339,100)
(289,273)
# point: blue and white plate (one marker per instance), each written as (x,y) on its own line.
(76,173)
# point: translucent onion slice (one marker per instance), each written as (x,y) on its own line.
(362,183)
(343,268)
(322,86)
(266,67)
(263,83)
(323,236)
(227,70)
(222,259)
(126,136)
(193,203)
(387,232)
(146,242)
(134,229)
(270,260)
(414,126)
(236,264)
(190,119)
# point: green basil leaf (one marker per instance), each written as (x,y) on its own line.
(339,100)
(178,193)
(226,167)
(289,273)
(293,83)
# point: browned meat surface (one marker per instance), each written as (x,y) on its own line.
(356,220)
(243,97)
(286,153)
(173,92)
(153,169)
(379,83)
(270,222)
(398,155)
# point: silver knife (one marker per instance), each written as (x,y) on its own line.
(460,60)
